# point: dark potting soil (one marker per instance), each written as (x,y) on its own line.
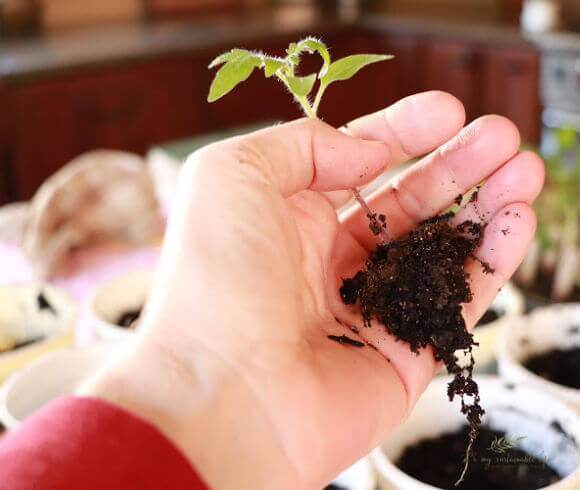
(128,318)
(415,287)
(43,304)
(557,365)
(492,466)
(489,316)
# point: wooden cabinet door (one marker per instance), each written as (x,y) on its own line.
(381,84)
(6,120)
(454,66)
(408,66)
(511,88)
(127,108)
(5,178)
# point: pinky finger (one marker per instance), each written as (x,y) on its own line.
(506,241)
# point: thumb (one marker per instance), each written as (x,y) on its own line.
(303,154)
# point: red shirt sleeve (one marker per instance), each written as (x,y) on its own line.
(86,443)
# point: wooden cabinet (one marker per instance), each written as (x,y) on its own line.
(126,108)
(454,66)
(408,68)
(511,88)
(5,179)
(489,80)
(6,175)
(54,118)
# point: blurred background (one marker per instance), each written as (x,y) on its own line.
(101,101)
(129,74)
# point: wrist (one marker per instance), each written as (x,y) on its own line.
(207,409)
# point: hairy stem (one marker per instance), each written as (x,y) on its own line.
(318,98)
(371,216)
(311,111)
(303,101)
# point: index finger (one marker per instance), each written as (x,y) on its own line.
(412,127)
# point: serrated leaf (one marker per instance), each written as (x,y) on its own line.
(237,69)
(301,86)
(271,65)
(345,68)
(232,55)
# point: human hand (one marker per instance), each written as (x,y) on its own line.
(233,361)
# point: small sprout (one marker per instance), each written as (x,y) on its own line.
(238,65)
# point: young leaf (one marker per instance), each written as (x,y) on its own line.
(301,86)
(271,65)
(239,65)
(310,44)
(345,68)
(232,55)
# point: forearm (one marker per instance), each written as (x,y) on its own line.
(206,408)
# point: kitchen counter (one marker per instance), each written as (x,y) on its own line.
(96,46)
(117,43)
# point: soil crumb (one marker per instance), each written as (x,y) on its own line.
(128,318)
(375,224)
(494,465)
(43,303)
(557,365)
(415,286)
(343,339)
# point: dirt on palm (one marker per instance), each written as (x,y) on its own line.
(415,287)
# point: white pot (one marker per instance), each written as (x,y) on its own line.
(360,476)
(20,318)
(514,409)
(113,298)
(510,304)
(542,330)
(53,375)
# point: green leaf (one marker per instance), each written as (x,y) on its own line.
(271,65)
(232,55)
(345,68)
(310,44)
(239,65)
(301,86)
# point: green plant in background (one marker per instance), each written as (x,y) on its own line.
(238,65)
(556,250)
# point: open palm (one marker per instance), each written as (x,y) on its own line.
(247,291)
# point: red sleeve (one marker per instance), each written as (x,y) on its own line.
(86,443)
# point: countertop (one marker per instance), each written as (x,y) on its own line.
(95,46)
(115,43)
